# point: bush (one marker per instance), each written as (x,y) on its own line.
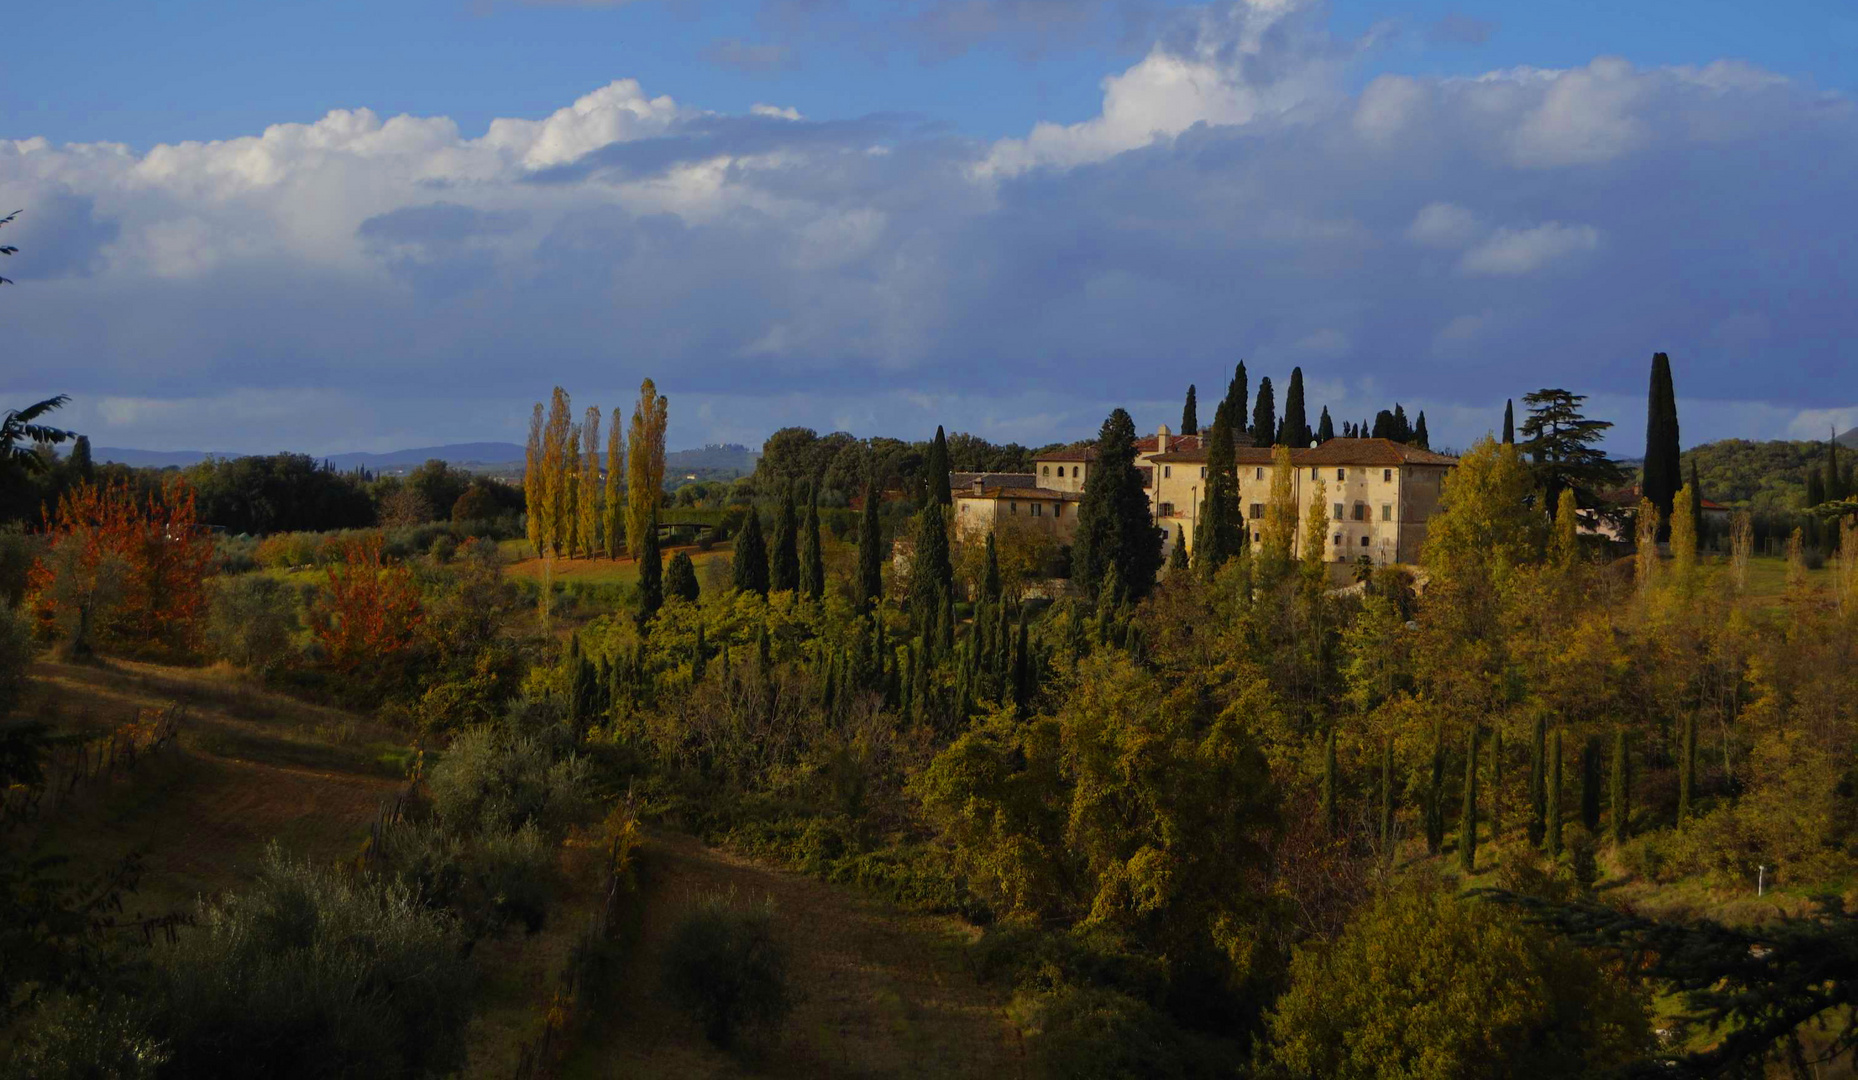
(235,555)
(497,781)
(15,656)
(489,881)
(724,965)
(18,551)
(1089,1033)
(313,974)
(84,1038)
(444,546)
(250,619)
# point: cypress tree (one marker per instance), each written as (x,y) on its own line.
(1554,797)
(1509,422)
(1420,438)
(680,578)
(1330,822)
(1387,801)
(990,577)
(906,680)
(1295,430)
(1662,476)
(751,557)
(1403,430)
(1217,532)
(1622,788)
(698,661)
(1538,782)
(1325,428)
(947,647)
(1590,785)
(935,472)
(1496,782)
(930,570)
(1114,526)
(1467,818)
(764,652)
(1686,765)
(919,690)
(722,657)
(1177,555)
(1264,415)
(1022,666)
(1435,792)
(1190,414)
(1234,405)
(812,555)
(80,465)
(784,552)
(1002,665)
(870,549)
(651,571)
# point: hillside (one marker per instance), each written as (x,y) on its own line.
(1765,477)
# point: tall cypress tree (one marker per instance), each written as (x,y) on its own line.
(1509,422)
(1435,792)
(1622,788)
(1496,782)
(1114,526)
(80,465)
(1325,428)
(870,549)
(1662,476)
(1538,782)
(1590,785)
(1177,555)
(651,570)
(930,570)
(990,577)
(1235,404)
(1330,821)
(935,472)
(812,555)
(1686,765)
(1264,415)
(1420,437)
(1387,801)
(1190,414)
(1217,530)
(1403,431)
(699,658)
(680,579)
(1295,428)
(1554,796)
(1467,818)
(784,552)
(1022,665)
(751,556)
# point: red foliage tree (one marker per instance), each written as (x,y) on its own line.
(157,542)
(369,611)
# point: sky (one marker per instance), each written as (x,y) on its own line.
(344,226)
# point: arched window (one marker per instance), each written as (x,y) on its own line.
(1061,472)
(1046,470)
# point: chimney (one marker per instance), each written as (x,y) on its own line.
(1161,439)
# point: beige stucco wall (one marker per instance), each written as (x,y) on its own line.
(1045,475)
(979,515)
(1397,501)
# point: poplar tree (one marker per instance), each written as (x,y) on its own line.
(1509,421)
(535,486)
(680,578)
(613,522)
(812,556)
(1264,415)
(1328,792)
(557,471)
(1280,524)
(783,551)
(1686,765)
(1295,427)
(651,572)
(1217,531)
(1435,792)
(1696,502)
(1114,525)
(870,549)
(751,557)
(1622,788)
(645,460)
(1537,827)
(936,468)
(1662,473)
(1554,796)
(1467,817)
(1190,414)
(1684,534)
(587,489)
(1325,428)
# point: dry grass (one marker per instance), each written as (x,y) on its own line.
(880,992)
(624,571)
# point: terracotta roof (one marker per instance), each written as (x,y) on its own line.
(1333,452)
(1630,495)
(1087,451)
(1029,493)
(999,479)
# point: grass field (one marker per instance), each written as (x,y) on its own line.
(595,571)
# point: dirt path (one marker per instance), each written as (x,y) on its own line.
(883,993)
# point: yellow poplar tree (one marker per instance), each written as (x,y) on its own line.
(557,445)
(571,483)
(613,523)
(1280,525)
(1565,547)
(1683,536)
(533,487)
(1648,545)
(1316,526)
(587,520)
(644,462)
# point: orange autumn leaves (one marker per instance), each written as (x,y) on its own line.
(369,611)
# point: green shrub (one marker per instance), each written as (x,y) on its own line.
(15,656)
(250,619)
(18,550)
(498,781)
(235,555)
(444,546)
(724,965)
(1090,1033)
(312,974)
(82,1038)
(489,881)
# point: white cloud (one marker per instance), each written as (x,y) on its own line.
(776,111)
(1511,252)
(1443,225)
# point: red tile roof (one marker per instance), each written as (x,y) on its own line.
(1333,452)
(1052,494)
(1087,451)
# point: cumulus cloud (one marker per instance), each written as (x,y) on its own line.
(1232,197)
(756,57)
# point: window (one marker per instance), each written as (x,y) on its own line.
(1203,472)
(1364,541)
(1166,510)
(1338,511)
(1046,470)
(1257,511)
(1387,511)
(1255,538)
(1338,539)
(1058,510)
(1361,511)
(964,507)
(1077,472)
(1386,476)
(1312,472)
(1167,472)
(1061,472)
(1341,474)
(1015,507)
(1038,509)
(1260,475)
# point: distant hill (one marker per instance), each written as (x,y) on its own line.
(728,459)
(713,460)
(1850,439)
(1765,477)
(153,459)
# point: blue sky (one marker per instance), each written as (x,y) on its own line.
(1001,215)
